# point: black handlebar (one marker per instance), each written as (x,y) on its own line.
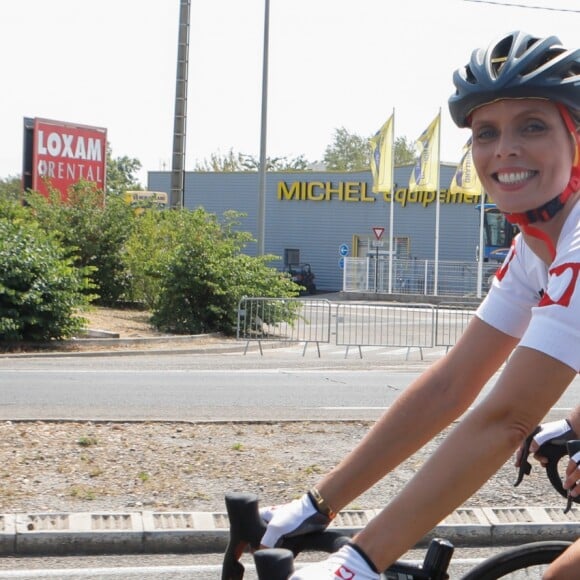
(553,450)
(247,529)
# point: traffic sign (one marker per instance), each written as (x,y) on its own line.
(343,249)
(378,232)
(341,263)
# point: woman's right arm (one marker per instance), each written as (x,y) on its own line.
(428,405)
(423,409)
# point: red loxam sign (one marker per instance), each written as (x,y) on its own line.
(64,153)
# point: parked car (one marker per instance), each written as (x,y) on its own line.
(302,274)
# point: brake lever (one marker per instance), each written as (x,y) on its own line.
(525,465)
(572,446)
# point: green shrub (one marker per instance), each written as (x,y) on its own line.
(94,229)
(190,271)
(40,289)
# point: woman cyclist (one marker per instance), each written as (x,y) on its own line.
(520,98)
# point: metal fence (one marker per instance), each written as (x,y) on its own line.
(284,320)
(411,276)
(450,322)
(388,325)
(353,324)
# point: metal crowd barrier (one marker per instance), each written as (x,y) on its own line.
(450,322)
(356,324)
(284,320)
(389,325)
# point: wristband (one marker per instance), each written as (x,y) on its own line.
(321,504)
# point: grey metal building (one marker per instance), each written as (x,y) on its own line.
(321,217)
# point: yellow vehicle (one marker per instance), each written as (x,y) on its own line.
(144,199)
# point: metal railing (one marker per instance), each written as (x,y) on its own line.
(284,320)
(388,325)
(411,276)
(352,324)
(450,322)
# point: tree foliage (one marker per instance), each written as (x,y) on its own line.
(404,151)
(347,152)
(232,161)
(191,271)
(121,174)
(351,152)
(11,188)
(94,229)
(40,288)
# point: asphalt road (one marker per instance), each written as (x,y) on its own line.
(281,385)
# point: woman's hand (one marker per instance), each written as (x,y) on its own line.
(292,519)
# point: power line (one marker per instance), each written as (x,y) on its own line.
(513,4)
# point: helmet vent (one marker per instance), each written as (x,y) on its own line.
(499,56)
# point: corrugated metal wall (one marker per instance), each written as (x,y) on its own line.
(319,228)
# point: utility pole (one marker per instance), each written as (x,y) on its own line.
(180,117)
(263,133)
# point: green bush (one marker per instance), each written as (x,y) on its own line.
(40,289)
(94,229)
(189,269)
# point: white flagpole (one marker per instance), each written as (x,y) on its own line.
(481,255)
(437,211)
(392,204)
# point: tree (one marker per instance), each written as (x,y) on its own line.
(232,161)
(40,288)
(93,231)
(11,187)
(251,163)
(404,151)
(190,269)
(219,163)
(121,174)
(347,152)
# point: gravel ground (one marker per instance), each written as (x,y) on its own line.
(68,466)
(80,466)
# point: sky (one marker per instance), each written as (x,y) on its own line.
(332,64)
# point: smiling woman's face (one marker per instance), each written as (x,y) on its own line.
(522,151)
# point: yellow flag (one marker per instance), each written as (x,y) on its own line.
(425,174)
(466,179)
(382,157)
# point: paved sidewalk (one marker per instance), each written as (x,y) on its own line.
(203,532)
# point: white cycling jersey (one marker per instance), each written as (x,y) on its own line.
(540,304)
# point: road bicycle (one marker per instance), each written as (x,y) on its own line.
(525,561)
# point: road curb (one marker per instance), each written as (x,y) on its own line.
(149,342)
(147,532)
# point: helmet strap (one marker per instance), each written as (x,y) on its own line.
(547,211)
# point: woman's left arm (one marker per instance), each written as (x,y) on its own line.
(528,387)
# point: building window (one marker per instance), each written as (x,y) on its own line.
(291,257)
(402,246)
